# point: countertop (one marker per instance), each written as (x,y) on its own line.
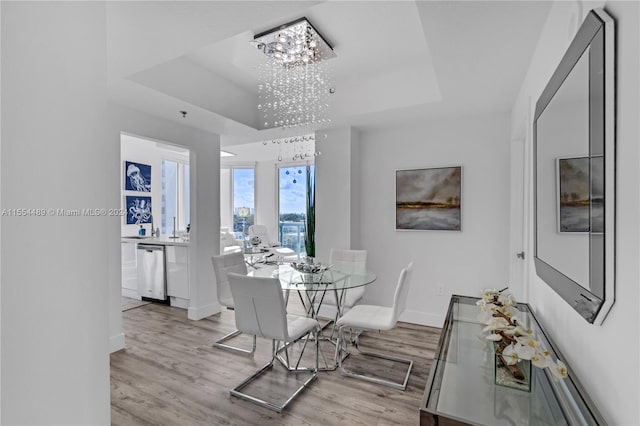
(162,240)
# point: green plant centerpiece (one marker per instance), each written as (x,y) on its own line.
(310,227)
(514,343)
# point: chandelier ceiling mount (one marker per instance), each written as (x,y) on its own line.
(294,43)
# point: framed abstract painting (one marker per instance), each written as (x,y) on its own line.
(580,192)
(429,199)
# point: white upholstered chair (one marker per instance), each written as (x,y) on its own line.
(260,310)
(222,265)
(376,318)
(228,242)
(351,261)
(261,232)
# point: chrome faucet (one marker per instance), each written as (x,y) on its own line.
(153,230)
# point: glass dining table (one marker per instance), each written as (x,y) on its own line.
(313,288)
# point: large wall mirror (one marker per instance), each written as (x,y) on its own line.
(574,132)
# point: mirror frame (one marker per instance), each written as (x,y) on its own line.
(593,304)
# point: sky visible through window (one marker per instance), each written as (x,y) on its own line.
(292,194)
(243,189)
(293,189)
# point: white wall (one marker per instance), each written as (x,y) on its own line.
(55,353)
(464,262)
(0,221)
(334,193)
(592,352)
(226,218)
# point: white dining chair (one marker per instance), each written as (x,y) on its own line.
(376,318)
(260,310)
(261,232)
(350,262)
(222,265)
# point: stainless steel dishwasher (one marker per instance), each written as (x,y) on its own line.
(152,275)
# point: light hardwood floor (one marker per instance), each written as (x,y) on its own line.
(169,374)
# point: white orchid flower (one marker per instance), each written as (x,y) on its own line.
(519,331)
(522,331)
(494,337)
(528,340)
(510,355)
(490,292)
(496,323)
(510,311)
(525,352)
(541,359)
(488,295)
(507,299)
(558,369)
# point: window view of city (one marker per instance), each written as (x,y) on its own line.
(243,201)
(293,207)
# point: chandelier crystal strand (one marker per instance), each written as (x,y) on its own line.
(293,97)
(295,86)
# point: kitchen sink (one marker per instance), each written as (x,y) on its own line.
(138,237)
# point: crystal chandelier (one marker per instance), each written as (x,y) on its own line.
(295,81)
(296,147)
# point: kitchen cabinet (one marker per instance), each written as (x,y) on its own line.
(129,270)
(177,258)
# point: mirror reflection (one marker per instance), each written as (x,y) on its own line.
(575,172)
(563,202)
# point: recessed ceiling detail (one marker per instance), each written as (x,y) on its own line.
(456,60)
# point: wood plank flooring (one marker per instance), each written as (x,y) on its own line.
(169,374)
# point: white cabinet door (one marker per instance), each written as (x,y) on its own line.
(129,269)
(177,271)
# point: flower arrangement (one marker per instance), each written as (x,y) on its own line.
(514,341)
(255,240)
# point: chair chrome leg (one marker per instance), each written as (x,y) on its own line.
(237,391)
(397,385)
(220,344)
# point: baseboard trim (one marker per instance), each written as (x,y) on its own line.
(131,294)
(116,342)
(179,302)
(422,318)
(203,311)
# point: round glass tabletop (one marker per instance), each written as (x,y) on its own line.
(335,278)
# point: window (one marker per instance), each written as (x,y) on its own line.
(243,200)
(292,208)
(175,196)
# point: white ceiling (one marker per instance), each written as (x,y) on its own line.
(397,61)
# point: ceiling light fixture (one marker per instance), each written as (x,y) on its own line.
(296,148)
(295,81)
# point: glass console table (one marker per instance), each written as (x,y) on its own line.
(461,390)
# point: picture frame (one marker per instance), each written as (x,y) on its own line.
(138,209)
(572,189)
(137,176)
(429,199)
(579,189)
